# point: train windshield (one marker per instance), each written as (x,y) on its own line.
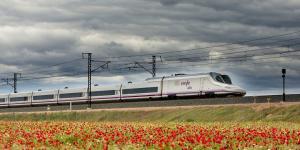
(227,79)
(221,78)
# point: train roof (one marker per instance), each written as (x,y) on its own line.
(147,80)
(178,75)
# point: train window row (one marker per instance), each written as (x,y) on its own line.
(43,97)
(140,90)
(2,100)
(18,99)
(94,93)
(103,93)
(70,95)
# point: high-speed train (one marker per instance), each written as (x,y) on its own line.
(180,85)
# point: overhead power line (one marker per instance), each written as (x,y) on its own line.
(170,67)
(222,59)
(34,71)
(243,53)
(174,54)
(237,48)
(117,65)
(201,64)
(208,47)
(14,80)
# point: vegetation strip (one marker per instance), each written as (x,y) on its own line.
(273,112)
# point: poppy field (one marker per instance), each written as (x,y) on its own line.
(134,135)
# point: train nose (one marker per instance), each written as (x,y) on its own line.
(238,90)
(241,91)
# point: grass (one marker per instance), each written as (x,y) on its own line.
(260,112)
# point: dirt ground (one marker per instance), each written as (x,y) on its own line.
(255,106)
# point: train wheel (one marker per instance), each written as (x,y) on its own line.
(230,96)
(211,95)
(172,97)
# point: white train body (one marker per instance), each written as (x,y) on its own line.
(196,85)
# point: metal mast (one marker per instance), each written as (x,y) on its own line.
(283,84)
(89,89)
(15,81)
(153,66)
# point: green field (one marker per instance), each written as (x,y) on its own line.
(259,112)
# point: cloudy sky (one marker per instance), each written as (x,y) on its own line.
(248,39)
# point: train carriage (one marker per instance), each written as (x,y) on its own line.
(208,85)
(223,86)
(145,90)
(19,99)
(3,100)
(182,85)
(44,97)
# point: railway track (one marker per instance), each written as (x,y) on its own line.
(157,103)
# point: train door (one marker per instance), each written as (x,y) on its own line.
(201,86)
(205,85)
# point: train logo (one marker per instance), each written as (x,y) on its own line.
(187,84)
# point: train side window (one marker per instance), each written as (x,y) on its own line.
(140,90)
(71,95)
(18,99)
(2,100)
(103,93)
(43,97)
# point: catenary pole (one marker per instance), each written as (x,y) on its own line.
(153,66)
(89,88)
(15,81)
(283,84)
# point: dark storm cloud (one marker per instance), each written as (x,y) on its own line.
(272,13)
(205,21)
(36,34)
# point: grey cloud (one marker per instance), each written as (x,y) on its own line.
(271,13)
(170,2)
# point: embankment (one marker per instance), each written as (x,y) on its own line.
(255,112)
